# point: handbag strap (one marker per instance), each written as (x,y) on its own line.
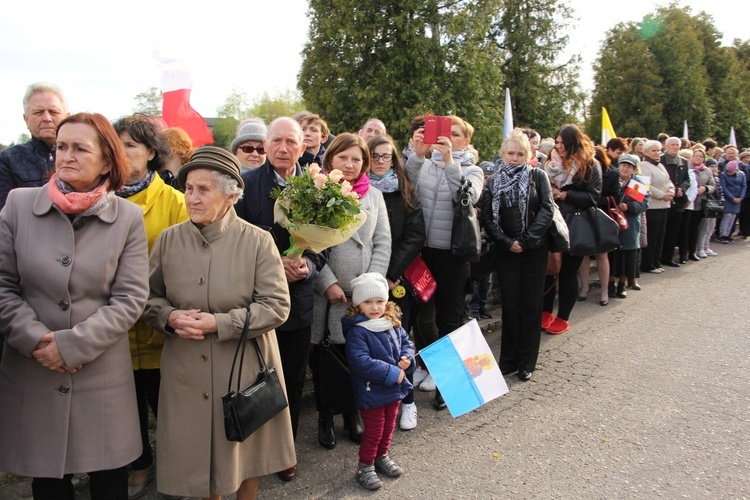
(326,329)
(242,342)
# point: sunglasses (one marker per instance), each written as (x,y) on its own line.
(252,149)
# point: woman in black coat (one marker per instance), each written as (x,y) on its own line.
(516,211)
(576,179)
(407,239)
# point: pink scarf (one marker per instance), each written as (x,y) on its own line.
(700,167)
(74,202)
(361,185)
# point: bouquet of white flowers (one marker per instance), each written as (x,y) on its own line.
(317,210)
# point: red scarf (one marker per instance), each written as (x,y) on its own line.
(74,202)
(361,185)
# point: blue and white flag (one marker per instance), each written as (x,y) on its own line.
(464,369)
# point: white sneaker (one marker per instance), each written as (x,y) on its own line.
(419,375)
(711,253)
(428,384)
(408,417)
(702,254)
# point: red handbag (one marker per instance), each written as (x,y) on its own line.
(419,277)
(616,214)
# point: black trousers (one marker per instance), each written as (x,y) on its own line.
(745,217)
(294,348)
(521,277)
(450,275)
(147,394)
(694,222)
(656,226)
(671,234)
(567,286)
(105,485)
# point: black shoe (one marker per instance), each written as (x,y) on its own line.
(694,257)
(603,302)
(509,371)
(670,263)
(485,314)
(439,403)
(353,424)
(326,436)
(621,293)
(524,375)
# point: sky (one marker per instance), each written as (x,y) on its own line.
(102,58)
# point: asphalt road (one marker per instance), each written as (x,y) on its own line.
(647,397)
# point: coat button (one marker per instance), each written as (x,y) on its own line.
(66,261)
(64,304)
(201,281)
(205,395)
(64,389)
(204,357)
(205,244)
(78,225)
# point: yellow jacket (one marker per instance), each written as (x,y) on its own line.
(163,206)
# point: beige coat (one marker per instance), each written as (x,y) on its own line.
(87,282)
(224,268)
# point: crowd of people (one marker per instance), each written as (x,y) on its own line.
(130,262)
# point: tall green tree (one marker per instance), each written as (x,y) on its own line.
(148,101)
(398,59)
(268,107)
(627,82)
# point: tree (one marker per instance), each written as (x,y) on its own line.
(628,84)
(236,106)
(398,59)
(270,107)
(149,102)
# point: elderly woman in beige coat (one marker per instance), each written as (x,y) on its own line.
(205,274)
(73,280)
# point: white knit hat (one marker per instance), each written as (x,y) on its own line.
(369,285)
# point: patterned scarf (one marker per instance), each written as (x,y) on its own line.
(72,202)
(511,188)
(129,190)
(462,156)
(387,183)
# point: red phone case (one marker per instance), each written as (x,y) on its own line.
(436,126)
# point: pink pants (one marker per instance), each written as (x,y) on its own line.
(379,426)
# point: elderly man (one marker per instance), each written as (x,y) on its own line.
(730,154)
(371,128)
(29,164)
(677,167)
(284,146)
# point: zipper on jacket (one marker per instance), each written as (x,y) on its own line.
(367,386)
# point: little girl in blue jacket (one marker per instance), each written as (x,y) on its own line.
(379,354)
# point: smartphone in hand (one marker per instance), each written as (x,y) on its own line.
(436,126)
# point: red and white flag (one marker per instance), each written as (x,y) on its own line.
(176,85)
(636,190)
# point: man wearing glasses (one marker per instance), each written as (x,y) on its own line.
(284,146)
(248,145)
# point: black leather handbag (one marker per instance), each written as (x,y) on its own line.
(246,410)
(592,232)
(336,394)
(712,208)
(466,240)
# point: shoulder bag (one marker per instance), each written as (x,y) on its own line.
(419,280)
(559,236)
(466,240)
(592,231)
(711,208)
(336,395)
(246,410)
(616,214)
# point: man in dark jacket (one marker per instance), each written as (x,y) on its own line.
(284,145)
(677,167)
(29,164)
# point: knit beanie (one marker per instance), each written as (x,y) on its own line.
(369,285)
(732,166)
(252,130)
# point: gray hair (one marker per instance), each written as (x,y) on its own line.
(38,88)
(673,139)
(650,144)
(227,185)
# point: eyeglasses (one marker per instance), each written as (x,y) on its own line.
(252,149)
(386,157)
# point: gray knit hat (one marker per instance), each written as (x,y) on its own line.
(368,285)
(212,158)
(253,130)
